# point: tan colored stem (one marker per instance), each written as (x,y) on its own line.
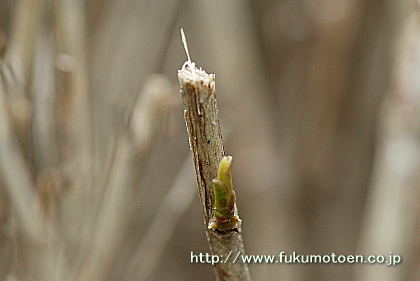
(205,137)
(16,175)
(74,131)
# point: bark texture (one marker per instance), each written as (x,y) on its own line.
(206,144)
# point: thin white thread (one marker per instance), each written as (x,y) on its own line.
(184,42)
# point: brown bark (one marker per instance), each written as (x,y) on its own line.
(206,144)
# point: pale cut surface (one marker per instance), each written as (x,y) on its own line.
(195,75)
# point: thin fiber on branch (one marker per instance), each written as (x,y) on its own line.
(206,144)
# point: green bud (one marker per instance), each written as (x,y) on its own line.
(224,217)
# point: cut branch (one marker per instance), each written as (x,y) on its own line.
(205,137)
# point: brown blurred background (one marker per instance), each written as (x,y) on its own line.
(319,106)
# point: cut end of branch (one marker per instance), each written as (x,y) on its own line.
(189,73)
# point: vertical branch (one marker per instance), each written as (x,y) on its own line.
(24,32)
(16,70)
(118,68)
(16,175)
(15,116)
(113,220)
(154,242)
(132,153)
(73,101)
(72,125)
(393,195)
(205,137)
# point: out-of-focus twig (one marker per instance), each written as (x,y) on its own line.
(113,216)
(16,175)
(15,116)
(73,110)
(148,116)
(17,67)
(391,213)
(154,240)
(169,212)
(25,27)
(44,140)
(131,154)
(124,28)
(73,130)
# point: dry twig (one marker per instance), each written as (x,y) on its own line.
(131,154)
(205,137)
